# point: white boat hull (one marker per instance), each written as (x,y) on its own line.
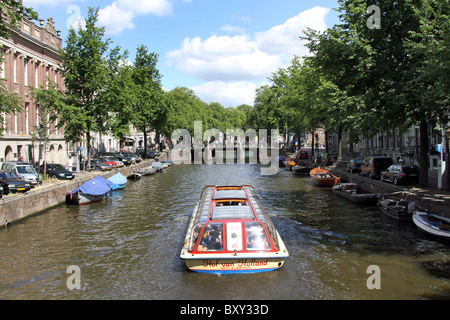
(243,265)
(81,198)
(431,224)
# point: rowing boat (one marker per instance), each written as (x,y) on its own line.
(323,177)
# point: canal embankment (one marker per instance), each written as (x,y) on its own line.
(434,200)
(15,207)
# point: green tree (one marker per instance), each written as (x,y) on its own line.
(375,69)
(150,111)
(431,42)
(84,66)
(119,94)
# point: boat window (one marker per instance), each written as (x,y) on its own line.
(231,202)
(212,238)
(272,234)
(230,194)
(256,237)
(231,212)
(195,235)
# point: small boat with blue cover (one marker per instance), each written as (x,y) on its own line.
(119,181)
(93,190)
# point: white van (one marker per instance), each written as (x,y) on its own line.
(23,170)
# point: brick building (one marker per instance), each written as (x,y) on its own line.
(31,59)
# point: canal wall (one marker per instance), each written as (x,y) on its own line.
(431,199)
(19,206)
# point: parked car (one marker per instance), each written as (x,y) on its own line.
(134,157)
(150,154)
(354,165)
(97,164)
(373,166)
(401,173)
(118,156)
(23,170)
(12,183)
(57,171)
(109,161)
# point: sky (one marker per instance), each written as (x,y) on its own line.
(221,49)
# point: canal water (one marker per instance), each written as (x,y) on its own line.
(128,246)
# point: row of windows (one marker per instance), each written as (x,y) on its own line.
(29,70)
(212,238)
(25,122)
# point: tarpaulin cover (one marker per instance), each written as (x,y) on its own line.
(95,187)
(118,181)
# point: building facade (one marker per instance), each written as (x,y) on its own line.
(399,144)
(30,60)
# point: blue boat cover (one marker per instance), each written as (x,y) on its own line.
(118,181)
(95,187)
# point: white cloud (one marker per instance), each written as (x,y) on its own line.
(227,94)
(245,57)
(232,29)
(284,39)
(223,58)
(115,19)
(119,15)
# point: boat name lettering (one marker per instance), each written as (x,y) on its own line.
(240,263)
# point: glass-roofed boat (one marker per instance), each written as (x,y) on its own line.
(231,232)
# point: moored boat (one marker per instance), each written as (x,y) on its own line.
(432,224)
(134,175)
(397,209)
(302,167)
(147,171)
(118,180)
(352,192)
(158,166)
(290,162)
(93,190)
(323,177)
(230,232)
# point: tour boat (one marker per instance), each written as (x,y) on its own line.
(432,224)
(91,191)
(231,232)
(323,178)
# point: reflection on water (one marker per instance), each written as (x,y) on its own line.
(128,246)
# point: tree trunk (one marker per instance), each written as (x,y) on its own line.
(145,141)
(88,145)
(340,143)
(423,157)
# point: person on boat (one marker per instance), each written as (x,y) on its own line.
(211,239)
